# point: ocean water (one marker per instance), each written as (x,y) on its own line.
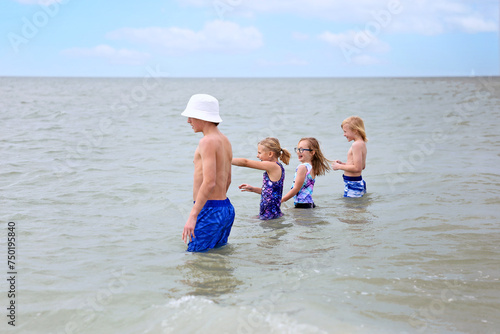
(96,174)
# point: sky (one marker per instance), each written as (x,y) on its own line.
(249,38)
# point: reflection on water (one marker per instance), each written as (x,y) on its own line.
(306,217)
(209,273)
(355,210)
(274,231)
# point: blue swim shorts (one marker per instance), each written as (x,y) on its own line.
(212,226)
(354,186)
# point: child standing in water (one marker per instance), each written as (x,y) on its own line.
(313,163)
(354,185)
(268,152)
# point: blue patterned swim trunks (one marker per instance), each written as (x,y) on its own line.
(212,226)
(354,186)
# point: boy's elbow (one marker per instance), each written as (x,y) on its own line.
(210,185)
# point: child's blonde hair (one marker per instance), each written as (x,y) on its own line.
(355,123)
(320,164)
(273,145)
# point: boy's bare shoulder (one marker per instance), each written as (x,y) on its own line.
(207,143)
(359,144)
(210,138)
(214,140)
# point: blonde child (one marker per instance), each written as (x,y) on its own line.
(354,130)
(268,152)
(312,164)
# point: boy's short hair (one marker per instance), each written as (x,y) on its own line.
(355,123)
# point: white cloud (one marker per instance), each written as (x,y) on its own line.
(215,36)
(473,24)
(115,56)
(357,47)
(40,2)
(360,40)
(428,17)
(333,9)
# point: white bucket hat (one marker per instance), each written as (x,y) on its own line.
(204,107)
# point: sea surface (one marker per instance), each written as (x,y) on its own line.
(96,177)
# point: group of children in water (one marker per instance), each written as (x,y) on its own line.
(212,215)
(312,164)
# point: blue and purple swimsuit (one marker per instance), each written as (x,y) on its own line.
(270,198)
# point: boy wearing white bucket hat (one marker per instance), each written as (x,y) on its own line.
(211,218)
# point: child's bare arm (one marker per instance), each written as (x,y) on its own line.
(272,168)
(355,164)
(357,157)
(247,187)
(299,181)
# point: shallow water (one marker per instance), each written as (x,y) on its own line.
(97,176)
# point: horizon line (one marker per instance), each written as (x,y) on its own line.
(248,77)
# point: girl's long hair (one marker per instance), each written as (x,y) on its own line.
(319,163)
(273,145)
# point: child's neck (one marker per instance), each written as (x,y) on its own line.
(357,137)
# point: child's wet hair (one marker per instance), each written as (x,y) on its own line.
(356,124)
(320,164)
(273,145)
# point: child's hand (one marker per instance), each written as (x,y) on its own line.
(336,164)
(188,232)
(246,187)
